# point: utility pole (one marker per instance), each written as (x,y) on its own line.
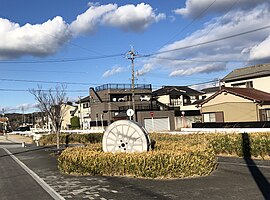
(23,117)
(131,57)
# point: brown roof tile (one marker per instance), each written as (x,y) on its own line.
(248,93)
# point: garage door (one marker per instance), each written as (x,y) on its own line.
(158,124)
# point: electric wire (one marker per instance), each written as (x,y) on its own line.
(195,19)
(206,42)
(44,71)
(61,60)
(54,82)
(44,90)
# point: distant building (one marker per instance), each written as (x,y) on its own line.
(110,102)
(84,112)
(183,101)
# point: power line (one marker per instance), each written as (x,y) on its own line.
(61,60)
(196,60)
(230,8)
(213,81)
(195,19)
(55,82)
(43,71)
(27,90)
(207,42)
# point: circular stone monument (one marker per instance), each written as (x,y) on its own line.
(125,136)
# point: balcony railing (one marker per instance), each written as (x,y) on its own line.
(123,87)
(140,107)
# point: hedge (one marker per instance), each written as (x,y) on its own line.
(199,161)
(174,156)
(256,145)
(71,138)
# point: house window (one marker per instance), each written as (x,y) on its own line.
(248,84)
(209,117)
(213,117)
(265,115)
(86,105)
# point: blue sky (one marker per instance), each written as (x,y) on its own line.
(57,41)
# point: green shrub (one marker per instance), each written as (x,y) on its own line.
(75,122)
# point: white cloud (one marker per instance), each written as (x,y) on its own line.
(194,7)
(90,19)
(128,17)
(47,38)
(261,51)
(132,18)
(36,40)
(146,68)
(113,71)
(180,62)
(21,107)
(26,106)
(207,68)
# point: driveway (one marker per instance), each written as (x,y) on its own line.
(233,179)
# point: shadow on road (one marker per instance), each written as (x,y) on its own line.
(257,175)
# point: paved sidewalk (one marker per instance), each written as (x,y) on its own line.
(16,184)
(15,139)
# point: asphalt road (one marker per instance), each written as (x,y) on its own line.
(233,179)
(16,183)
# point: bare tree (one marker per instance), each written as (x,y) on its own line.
(53,103)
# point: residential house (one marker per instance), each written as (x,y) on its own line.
(110,102)
(233,104)
(83,112)
(182,100)
(68,111)
(207,92)
(257,77)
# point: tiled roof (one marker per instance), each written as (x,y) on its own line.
(209,90)
(248,93)
(176,90)
(248,72)
(83,100)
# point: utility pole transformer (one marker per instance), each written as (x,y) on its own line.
(131,57)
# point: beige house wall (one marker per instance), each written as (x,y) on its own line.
(165,99)
(261,83)
(234,108)
(227,97)
(66,109)
(234,112)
